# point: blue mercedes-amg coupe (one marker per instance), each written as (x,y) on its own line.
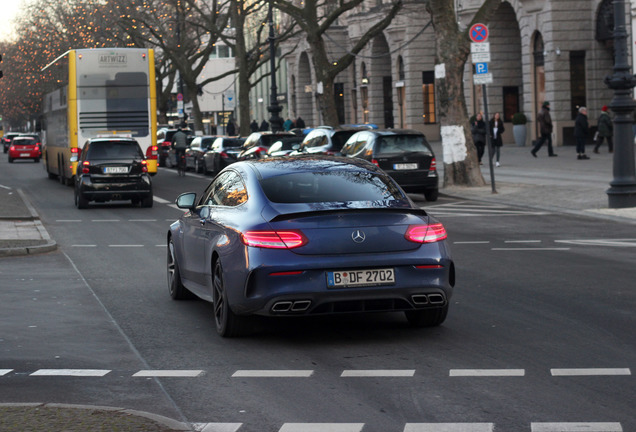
(308,235)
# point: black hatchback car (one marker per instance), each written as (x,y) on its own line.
(112,169)
(405,155)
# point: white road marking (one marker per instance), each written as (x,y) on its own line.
(216,427)
(601,242)
(531,249)
(322,427)
(169,373)
(590,371)
(5,371)
(449,427)
(486,372)
(68,220)
(105,220)
(160,200)
(126,246)
(161,245)
(379,373)
(272,373)
(522,241)
(71,372)
(142,220)
(576,427)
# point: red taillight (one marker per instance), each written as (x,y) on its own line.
(433,166)
(144,165)
(375,162)
(286,273)
(166,144)
(288,239)
(85,167)
(426,233)
(152,152)
(432,266)
(12,148)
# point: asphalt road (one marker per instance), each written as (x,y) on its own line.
(539,335)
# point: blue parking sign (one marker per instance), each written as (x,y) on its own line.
(481,68)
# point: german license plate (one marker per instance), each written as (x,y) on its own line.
(25,154)
(115,170)
(405,166)
(356,278)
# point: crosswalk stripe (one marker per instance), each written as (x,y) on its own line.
(168,373)
(272,373)
(71,372)
(576,427)
(322,427)
(590,371)
(449,427)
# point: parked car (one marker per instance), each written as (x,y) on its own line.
(195,151)
(112,169)
(6,140)
(223,152)
(24,147)
(326,140)
(257,144)
(308,235)
(405,155)
(284,147)
(166,155)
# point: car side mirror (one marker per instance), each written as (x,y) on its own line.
(186,200)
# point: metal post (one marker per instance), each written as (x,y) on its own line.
(275,122)
(488,140)
(622,191)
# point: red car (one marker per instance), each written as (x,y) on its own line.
(24,147)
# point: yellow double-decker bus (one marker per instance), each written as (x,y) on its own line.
(99,92)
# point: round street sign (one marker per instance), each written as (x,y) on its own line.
(478,33)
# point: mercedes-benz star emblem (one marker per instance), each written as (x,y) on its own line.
(358,236)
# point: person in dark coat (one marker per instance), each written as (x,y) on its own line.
(264,126)
(545,129)
(496,129)
(300,123)
(478,129)
(605,130)
(230,129)
(581,131)
(254,126)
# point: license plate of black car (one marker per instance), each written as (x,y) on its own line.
(405,166)
(358,278)
(115,170)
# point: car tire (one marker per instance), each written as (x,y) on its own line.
(427,317)
(80,201)
(36,160)
(175,287)
(10,159)
(431,194)
(227,323)
(147,202)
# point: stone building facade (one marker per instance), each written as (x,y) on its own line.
(541,50)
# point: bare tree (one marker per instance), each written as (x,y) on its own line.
(315,18)
(453,47)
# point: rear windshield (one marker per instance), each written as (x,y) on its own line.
(24,141)
(402,144)
(114,150)
(233,142)
(341,186)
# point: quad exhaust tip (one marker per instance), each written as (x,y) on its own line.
(291,306)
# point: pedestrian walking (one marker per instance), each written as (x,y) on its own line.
(478,130)
(605,131)
(496,129)
(254,126)
(288,125)
(545,129)
(264,126)
(581,132)
(300,123)
(230,129)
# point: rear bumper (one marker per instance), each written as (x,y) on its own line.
(24,154)
(138,189)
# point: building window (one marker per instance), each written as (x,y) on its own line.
(577,81)
(221,51)
(511,102)
(428,93)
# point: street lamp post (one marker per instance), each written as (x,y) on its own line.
(622,191)
(275,122)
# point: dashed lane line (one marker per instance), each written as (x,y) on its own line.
(71,372)
(532,249)
(272,374)
(322,427)
(169,373)
(486,372)
(5,371)
(378,373)
(449,427)
(576,427)
(590,372)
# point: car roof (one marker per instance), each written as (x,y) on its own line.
(271,167)
(112,139)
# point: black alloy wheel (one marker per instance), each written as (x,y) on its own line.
(175,286)
(228,324)
(80,200)
(431,194)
